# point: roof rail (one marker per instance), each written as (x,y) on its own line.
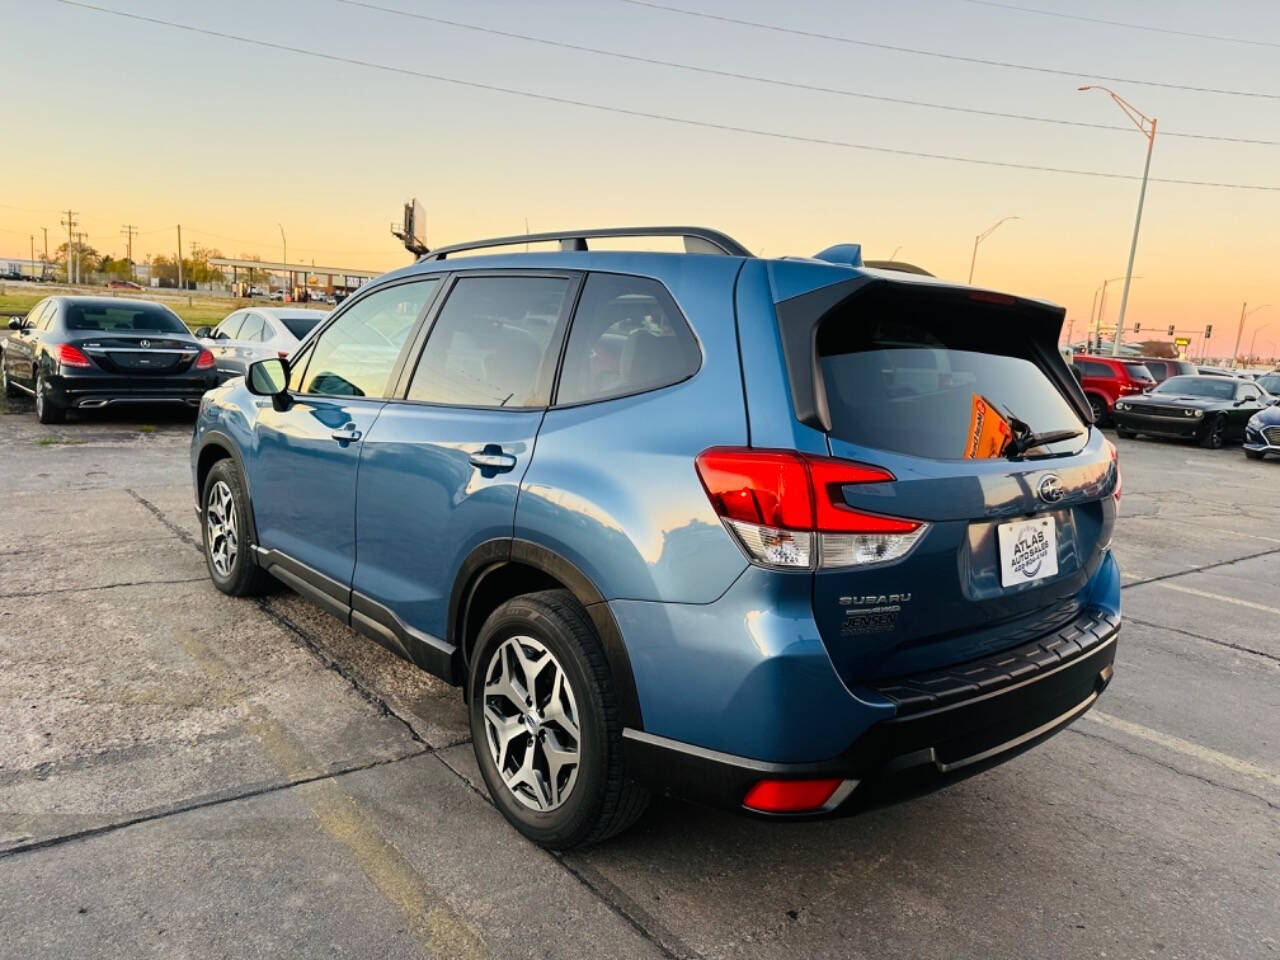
(696,240)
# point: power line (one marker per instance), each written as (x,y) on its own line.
(1077,74)
(791,84)
(1120,23)
(667,118)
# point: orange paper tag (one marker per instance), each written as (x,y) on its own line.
(989,433)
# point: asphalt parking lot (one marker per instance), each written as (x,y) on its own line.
(183,774)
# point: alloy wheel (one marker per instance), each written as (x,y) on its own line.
(531,723)
(220,520)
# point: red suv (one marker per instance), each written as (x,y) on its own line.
(1106,379)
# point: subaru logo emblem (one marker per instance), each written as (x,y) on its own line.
(1050,489)
(144,344)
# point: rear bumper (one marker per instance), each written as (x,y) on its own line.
(947,725)
(91,392)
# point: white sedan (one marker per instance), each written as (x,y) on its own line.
(255,334)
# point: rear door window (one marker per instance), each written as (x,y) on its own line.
(494,343)
(939,384)
(628,336)
(1091,368)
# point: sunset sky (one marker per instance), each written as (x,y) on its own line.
(133,122)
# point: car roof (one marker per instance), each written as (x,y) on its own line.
(287,313)
(112,301)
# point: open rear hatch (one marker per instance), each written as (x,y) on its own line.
(991,499)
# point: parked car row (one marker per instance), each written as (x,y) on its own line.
(1174,399)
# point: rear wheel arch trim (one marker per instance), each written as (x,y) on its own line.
(493,555)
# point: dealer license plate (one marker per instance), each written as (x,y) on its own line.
(1028,550)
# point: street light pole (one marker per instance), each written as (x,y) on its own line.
(1142,122)
(1244,312)
(1254,342)
(1102,308)
(982,236)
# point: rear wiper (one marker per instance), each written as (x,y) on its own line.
(1021,442)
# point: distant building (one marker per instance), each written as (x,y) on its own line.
(12,267)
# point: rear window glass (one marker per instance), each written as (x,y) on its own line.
(942,383)
(1139,371)
(1219,388)
(107,318)
(1158,369)
(300,326)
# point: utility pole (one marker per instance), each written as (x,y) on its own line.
(181,286)
(33,254)
(81,236)
(70,223)
(45,266)
(129,231)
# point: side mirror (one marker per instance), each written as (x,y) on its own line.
(204,333)
(267,378)
(15,323)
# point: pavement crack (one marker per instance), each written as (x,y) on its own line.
(160,515)
(317,650)
(1214,640)
(201,805)
(1174,768)
(1208,566)
(105,586)
(627,909)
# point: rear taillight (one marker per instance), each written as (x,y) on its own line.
(204,361)
(69,356)
(791,796)
(282,354)
(788,510)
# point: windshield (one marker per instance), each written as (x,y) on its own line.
(110,318)
(1139,371)
(1217,388)
(300,326)
(1270,382)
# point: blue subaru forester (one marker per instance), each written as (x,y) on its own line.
(787,535)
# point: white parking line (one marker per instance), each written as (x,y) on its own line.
(1217,596)
(1186,747)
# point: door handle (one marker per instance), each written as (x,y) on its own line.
(348,434)
(492,458)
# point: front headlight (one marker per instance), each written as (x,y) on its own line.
(1120,405)
(1198,413)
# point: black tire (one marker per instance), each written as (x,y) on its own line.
(1215,433)
(47,410)
(1254,454)
(1124,434)
(601,801)
(242,577)
(1099,409)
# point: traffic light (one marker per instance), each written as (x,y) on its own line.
(1171,329)
(1137,328)
(1208,331)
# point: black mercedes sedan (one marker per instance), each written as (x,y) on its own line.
(1212,410)
(90,352)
